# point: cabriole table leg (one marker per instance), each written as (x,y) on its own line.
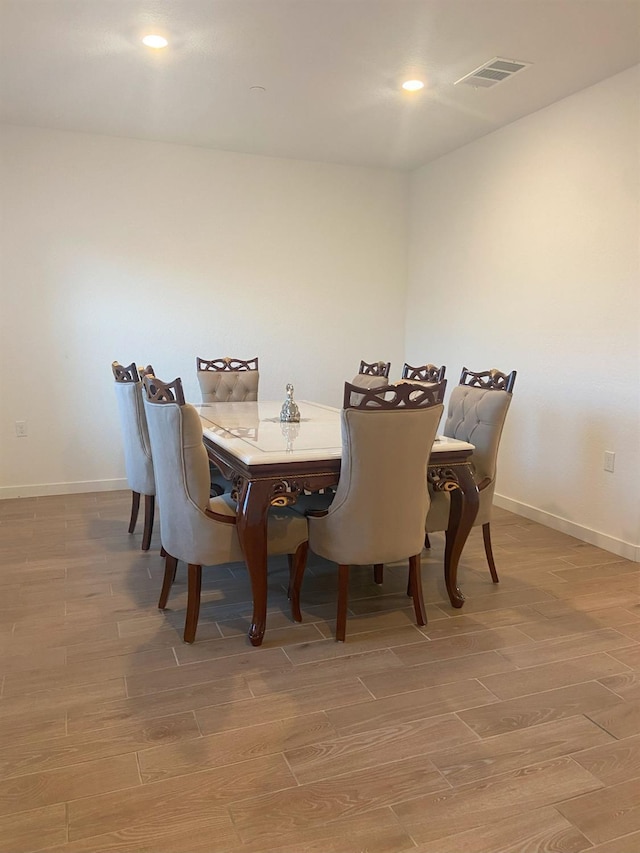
(462,514)
(253,507)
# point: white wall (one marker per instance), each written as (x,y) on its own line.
(129,250)
(524,253)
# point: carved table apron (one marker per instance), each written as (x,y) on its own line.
(256,487)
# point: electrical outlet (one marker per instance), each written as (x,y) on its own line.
(609,460)
(21,429)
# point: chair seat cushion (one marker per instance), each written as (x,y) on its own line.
(223,504)
(286,529)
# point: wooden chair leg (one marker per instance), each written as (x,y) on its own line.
(486,535)
(170,566)
(163,553)
(149,511)
(193,602)
(427,543)
(415,582)
(378,573)
(343,597)
(291,571)
(135,506)
(297,565)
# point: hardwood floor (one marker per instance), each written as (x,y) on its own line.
(512,725)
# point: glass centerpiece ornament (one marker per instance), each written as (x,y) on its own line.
(290,413)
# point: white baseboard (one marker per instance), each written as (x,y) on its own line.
(601,540)
(40,489)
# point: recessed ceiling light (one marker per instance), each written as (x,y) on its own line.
(155,41)
(413,85)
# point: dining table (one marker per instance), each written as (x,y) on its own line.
(270,463)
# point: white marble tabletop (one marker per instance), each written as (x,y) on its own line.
(254,434)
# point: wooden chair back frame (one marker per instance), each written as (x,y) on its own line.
(424,373)
(376,368)
(125,374)
(228,364)
(490,380)
(390,397)
(163,392)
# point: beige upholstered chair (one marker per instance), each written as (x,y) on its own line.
(137,450)
(228,380)
(376,515)
(196,528)
(369,376)
(476,413)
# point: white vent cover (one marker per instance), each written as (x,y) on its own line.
(493,72)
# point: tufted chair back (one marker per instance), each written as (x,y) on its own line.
(381,501)
(477,415)
(226,380)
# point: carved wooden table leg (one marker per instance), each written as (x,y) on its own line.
(253,506)
(462,514)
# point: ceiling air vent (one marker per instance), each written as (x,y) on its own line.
(493,72)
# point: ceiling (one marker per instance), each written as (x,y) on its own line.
(330,70)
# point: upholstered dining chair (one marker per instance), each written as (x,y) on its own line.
(369,376)
(476,413)
(137,450)
(228,380)
(376,514)
(196,528)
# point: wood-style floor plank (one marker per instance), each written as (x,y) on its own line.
(605,815)
(416,705)
(337,756)
(19,759)
(378,831)
(536,679)
(218,750)
(536,708)
(26,831)
(181,800)
(35,790)
(432,817)
(613,762)
(539,831)
(266,817)
(519,749)
(621,720)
